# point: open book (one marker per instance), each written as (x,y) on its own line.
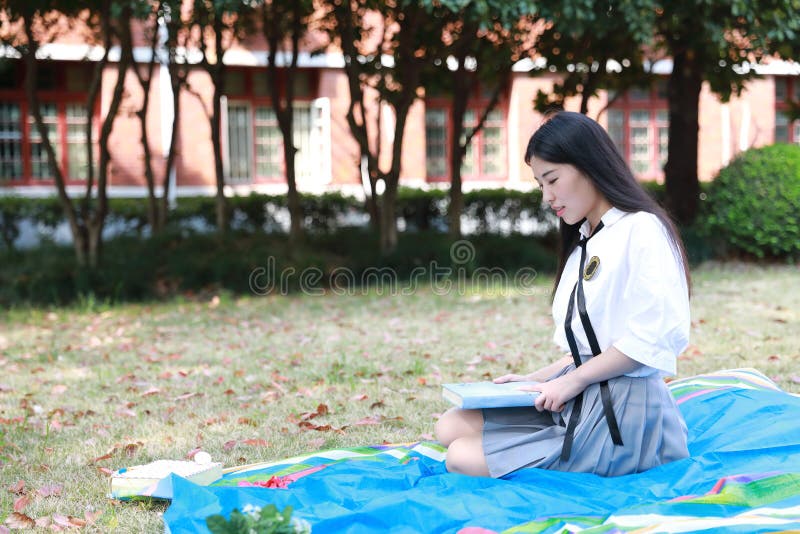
(153,479)
(472,395)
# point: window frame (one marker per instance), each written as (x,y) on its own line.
(476,105)
(782,106)
(61,98)
(653,103)
(252,100)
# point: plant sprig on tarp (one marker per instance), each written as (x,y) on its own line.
(257,520)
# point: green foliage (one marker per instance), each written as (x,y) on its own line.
(181,263)
(722,35)
(754,203)
(582,37)
(254,520)
(487,206)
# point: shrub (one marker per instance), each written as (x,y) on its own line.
(754,202)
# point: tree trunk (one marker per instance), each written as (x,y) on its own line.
(388,217)
(97,220)
(176,80)
(680,172)
(145,81)
(79,238)
(284,111)
(216,141)
(372,202)
(457,153)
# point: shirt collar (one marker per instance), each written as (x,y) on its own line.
(609,217)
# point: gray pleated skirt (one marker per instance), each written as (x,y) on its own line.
(653,432)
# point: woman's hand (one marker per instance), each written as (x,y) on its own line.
(557,392)
(510,378)
(533,377)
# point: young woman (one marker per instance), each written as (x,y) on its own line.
(621,309)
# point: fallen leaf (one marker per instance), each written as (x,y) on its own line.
(62,520)
(18,520)
(369,420)
(188,396)
(247,421)
(229,445)
(43,522)
(106,471)
(18,488)
(50,490)
(76,521)
(130,449)
(91,517)
(376,420)
(21,502)
(125,412)
(360,397)
(151,391)
(256,442)
(376,404)
(191,453)
(322,409)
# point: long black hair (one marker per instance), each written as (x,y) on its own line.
(575,139)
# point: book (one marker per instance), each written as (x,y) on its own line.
(154,479)
(472,395)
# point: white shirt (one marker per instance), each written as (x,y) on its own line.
(637,300)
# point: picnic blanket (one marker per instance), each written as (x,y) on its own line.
(743,475)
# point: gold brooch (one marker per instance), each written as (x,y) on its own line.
(591,268)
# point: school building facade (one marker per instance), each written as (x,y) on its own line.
(328,157)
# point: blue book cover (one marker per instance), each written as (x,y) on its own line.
(472,395)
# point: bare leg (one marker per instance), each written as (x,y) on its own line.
(461,432)
(465,456)
(456,423)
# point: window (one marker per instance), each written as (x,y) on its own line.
(10,141)
(638,123)
(269,143)
(62,92)
(77,158)
(39,166)
(485,155)
(787,95)
(254,143)
(239,156)
(436,142)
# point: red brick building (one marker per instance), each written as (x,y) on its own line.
(328,156)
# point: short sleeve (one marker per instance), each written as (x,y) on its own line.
(655,299)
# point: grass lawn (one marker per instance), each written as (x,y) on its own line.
(89,389)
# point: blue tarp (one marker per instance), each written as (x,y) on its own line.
(743,475)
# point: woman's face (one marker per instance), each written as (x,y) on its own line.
(570,194)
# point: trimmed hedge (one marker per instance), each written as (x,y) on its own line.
(754,202)
(488,211)
(177,263)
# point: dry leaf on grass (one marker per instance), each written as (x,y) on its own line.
(21,502)
(50,490)
(18,520)
(18,488)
